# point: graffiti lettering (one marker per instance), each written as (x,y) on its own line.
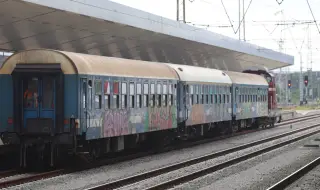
(197,115)
(116,123)
(160,118)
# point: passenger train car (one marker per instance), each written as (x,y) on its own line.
(54,100)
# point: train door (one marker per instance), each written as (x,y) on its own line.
(38,104)
(84,104)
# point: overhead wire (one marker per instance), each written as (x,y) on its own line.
(314,19)
(225,10)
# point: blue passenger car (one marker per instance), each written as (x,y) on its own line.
(77,100)
(250,100)
(204,100)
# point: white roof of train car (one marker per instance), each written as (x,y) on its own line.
(199,74)
(76,63)
(247,79)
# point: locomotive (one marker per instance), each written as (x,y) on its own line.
(55,101)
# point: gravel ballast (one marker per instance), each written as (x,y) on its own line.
(310,181)
(100,175)
(260,172)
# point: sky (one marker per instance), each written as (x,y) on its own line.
(261,23)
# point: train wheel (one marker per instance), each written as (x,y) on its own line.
(235,128)
(95,152)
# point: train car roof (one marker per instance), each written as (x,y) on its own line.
(199,74)
(246,78)
(77,63)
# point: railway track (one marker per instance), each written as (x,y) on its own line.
(8,173)
(24,178)
(34,177)
(133,180)
(282,184)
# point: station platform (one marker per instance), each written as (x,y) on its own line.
(106,28)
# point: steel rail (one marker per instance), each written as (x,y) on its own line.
(172,167)
(295,175)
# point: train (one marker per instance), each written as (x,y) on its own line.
(55,101)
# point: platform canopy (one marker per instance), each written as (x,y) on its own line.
(106,28)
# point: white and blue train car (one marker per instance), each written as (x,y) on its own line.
(204,99)
(250,98)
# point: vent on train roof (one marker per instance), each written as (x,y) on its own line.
(180,69)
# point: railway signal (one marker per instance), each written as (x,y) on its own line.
(289,83)
(306,80)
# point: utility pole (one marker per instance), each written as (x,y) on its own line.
(183,11)
(239,19)
(178,7)
(244,22)
(309,88)
(301,80)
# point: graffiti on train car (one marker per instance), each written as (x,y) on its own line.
(161,118)
(207,113)
(116,123)
(124,122)
(196,115)
(248,110)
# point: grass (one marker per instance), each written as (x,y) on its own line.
(305,107)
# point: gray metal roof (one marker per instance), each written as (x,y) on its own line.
(111,29)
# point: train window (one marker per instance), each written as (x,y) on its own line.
(207,99)
(152,89)
(131,94)
(124,95)
(211,99)
(158,102)
(145,88)
(158,88)
(224,99)
(215,98)
(191,89)
(48,93)
(97,93)
(106,90)
(170,86)
(202,99)
(89,94)
(107,101)
(116,97)
(191,99)
(186,87)
(139,98)
(165,95)
(219,99)
(153,96)
(145,94)
(84,93)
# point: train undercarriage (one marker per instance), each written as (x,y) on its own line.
(48,152)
